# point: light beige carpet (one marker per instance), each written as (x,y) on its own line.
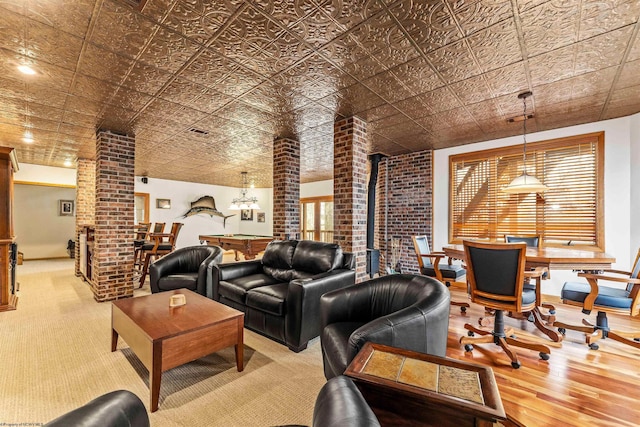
(55,356)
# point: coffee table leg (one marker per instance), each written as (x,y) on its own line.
(114,340)
(240,346)
(155,375)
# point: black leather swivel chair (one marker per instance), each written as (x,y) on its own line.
(189,267)
(116,409)
(495,272)
(340,404)
(400,310)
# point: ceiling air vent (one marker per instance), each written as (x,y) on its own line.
(199,132)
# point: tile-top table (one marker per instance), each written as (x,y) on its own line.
(164,337)
(407,388)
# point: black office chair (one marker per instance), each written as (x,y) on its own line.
(495,272)
(605,298)
(401,310)
(541,320)
(430,265)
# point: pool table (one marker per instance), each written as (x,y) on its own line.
(249,245)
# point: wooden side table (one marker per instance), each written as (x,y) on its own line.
(407,388)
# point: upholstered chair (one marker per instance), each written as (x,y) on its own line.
(400,310)
(189,267)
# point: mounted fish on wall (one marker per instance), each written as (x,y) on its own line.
(207,205)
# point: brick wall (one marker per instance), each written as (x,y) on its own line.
(85,201)
(409,198)
(113,252)
(350,189)
(286,189)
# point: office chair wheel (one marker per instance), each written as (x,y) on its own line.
(513,336)
(470,333)
(468,347)
(594,346)
(515,365)
(562,331)
(531,318)
(544,356)
(463,309)
(552,312)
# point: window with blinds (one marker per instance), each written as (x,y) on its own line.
(569,212)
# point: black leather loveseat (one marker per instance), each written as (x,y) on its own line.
(280,293)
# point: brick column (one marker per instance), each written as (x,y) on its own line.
(410,191)
(113,251)
(350,189)
(85,201)
(286,189)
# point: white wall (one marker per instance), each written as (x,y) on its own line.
(39,229)
(316,189)
(617,182)
(635,183)
(45,174)
(183,193)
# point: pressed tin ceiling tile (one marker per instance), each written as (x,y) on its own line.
(423,74)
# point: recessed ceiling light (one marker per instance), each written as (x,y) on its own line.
(68,163)
(25,69)
(27,137)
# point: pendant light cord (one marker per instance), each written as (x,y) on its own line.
(524,133)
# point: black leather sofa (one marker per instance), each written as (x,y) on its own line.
(399,310)
(189,267)
(280,293)
(116,409)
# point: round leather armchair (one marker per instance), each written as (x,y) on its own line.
(400,310)
(189,267)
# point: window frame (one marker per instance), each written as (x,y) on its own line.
(541,146)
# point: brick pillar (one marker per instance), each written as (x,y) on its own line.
(350,189)
(286,189)
(85,201)
(113,251)
(405,184)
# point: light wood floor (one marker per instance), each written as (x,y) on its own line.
(575,387)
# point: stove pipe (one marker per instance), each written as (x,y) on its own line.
(373,255)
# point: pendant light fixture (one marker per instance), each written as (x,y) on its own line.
(525,183)
(244,201)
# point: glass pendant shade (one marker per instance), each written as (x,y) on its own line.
(244,201)
(525,183)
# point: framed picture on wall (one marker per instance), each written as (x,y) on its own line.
(65,207)
(163,203)
(261,216)
(246,215)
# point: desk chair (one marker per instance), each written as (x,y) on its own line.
(160,245)
(537,317)
(606,299)
(495,272)
(429,265)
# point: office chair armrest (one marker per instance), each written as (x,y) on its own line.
(537,272)
(608,278)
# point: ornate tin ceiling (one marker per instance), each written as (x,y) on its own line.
(205,86)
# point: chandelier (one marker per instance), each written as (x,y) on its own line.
(244,201)
(525,183)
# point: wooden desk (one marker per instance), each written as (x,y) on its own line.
(250,246)
(552,258)
(407,388)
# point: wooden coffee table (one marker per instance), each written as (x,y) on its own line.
(164,337)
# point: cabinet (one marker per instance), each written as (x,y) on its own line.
(8,250)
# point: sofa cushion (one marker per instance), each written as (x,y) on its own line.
(269,298)
(278,257)
(316,257)
(236,289)
(177,281)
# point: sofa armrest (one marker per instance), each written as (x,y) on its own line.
(230,271)
(303,303)
(205,273)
